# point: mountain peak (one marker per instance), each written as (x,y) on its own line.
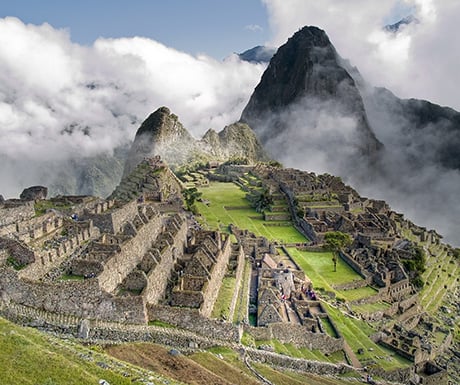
(163,125)
(306,75)
(160,134)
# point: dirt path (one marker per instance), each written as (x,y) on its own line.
(352,356)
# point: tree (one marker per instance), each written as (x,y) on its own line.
(335,241)
(190,196)
(264,201)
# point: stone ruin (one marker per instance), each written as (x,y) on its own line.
(323,203)
(137,257)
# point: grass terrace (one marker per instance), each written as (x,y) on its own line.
(371,307)
(226,204)
(357,332)
(318,266)
(440,277)
(222,306)
(307,354)
(357,294)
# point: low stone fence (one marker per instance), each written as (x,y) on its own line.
(353,285)
(297,335)
(190,319)
(296,364)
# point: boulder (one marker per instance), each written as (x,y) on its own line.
(34,193)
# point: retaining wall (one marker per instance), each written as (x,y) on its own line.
(77,298)
(298,335)
(132,251)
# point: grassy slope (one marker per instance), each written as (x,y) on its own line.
(28,356)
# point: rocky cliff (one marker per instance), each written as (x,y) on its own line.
(160,134)
(163,134)
(305,80)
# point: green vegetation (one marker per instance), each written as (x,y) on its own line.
(14,263)
(226,204)
(263,201)
(440,277)
(291,350)
(416,266)
(335,241)
(242,303)
(42,206)
(356,294)
(317,266)
(226,364)
(161,324)
(287,377)
(31,357)
(357,332)
(190,196)
(222,306)
(70,277)
(371,307)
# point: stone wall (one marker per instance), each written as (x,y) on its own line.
(48,258)
(131,253)
(192,320)
(212,287)
(396,291)
(111,221)
(298,335)
(13,211)
(157,277)
(296,364)
(353,264)
(78,298)
(239,289)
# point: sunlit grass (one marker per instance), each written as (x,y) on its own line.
(318,266)
(225,203)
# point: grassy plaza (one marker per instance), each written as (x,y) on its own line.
(225,203)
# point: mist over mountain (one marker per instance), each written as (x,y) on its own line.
(64,106)
(308,109)
(313,110)
(163,134)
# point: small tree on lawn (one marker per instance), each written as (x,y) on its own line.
(190,196)
(335,241)
(264,201)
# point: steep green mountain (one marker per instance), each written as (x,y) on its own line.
(163,134)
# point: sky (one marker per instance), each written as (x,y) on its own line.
(214,27)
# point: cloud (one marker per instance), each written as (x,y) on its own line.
(61,101)
(419,62)
(254,28)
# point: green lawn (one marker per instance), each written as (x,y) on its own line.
(356,294)
(318,266)
(30,357)
(243,299)
(227,204)
(370,307)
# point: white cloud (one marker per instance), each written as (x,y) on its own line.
(51,87)
(254,27)
(421,61)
